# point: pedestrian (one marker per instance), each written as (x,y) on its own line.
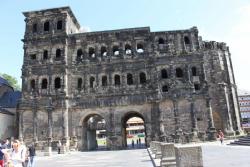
(31,156)
(6,144)
(139,141)
(1,157)
(16,157)
(59,145)
(133,143)
(221,136)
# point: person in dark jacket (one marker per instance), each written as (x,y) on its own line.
(32,154)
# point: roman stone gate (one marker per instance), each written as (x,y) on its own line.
(78,85)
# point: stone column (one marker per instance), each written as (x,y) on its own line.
(84,137)
(229,129)
(35,120)
(65,140)
(178,130)
(48,149)
(194,122)
(211,129)
(20,124)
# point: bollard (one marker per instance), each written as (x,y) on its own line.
(168,155)
(188,156)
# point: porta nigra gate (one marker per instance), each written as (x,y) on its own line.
(75,83)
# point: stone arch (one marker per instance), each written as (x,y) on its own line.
(218,121)
(125,118)
(89,133)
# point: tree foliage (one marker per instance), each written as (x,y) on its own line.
(11,80)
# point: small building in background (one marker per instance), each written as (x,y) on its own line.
(244,102)
(8,104)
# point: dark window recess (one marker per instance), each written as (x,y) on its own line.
(57,83)
(59,25)
(33,56)
(32,84)
(165,88)
(164,73)
(117,80)
(194,71)
(197,87)
(45,55)
(142,78)
(179,73)
(79,83)
(79,54)
(44,84)
(91,82)
(186,40)
(103,51)
(129,79)
(199,119)
(128,49)
(104,81)
(161,41)
(46,26)
(58,53)
(140,48)
(34,28)
(91,52)
(116,50)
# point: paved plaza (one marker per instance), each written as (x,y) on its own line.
(214,155)
(122,158)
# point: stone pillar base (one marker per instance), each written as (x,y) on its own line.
(48,151)
(229,132)
(212,134)
(63,150)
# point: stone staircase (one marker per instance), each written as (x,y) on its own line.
(244,141)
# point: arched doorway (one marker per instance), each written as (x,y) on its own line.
(133,131)
(217,121)
(94,133)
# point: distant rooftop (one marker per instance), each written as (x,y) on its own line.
(4,82)
(10,99)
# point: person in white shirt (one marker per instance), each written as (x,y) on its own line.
(17,155)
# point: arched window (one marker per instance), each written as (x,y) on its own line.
(79,83)
(130,79)
(117,80)
(142,78)
(164,88)
(44,83)
(58,53)
(57,83)
(164,73)
(194,71)
(161,41)
(33,56)
(179,73)
(103,51)
(197,87)
(116,50)
(139,48)
(34,28)
(59,25)
(79,54)
(91,82)
(45,55)
(128,49)
(91,52)
(104,81)
(32,84)
(186,40)
(46,26)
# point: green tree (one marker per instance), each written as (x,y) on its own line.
(12,81)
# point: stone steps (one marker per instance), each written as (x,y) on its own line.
(243,141)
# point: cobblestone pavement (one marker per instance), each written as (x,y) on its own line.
(122,158)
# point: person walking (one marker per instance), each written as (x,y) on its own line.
(59,145)
(221,136)
(32,154)
(1,157)
(133,144)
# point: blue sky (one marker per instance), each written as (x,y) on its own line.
(219,20)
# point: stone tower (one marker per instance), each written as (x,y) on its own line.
(181,86)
